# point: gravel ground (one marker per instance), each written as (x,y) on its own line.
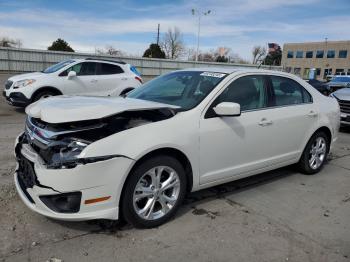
(275,216)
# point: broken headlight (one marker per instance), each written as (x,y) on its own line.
(68,155)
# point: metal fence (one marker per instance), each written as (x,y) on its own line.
(29,60)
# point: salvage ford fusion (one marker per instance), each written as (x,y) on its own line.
(83,158)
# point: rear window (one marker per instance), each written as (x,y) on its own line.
(109,69)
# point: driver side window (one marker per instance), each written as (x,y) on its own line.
(76,68)
(248,91)
(82,69)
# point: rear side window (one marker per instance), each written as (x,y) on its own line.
(109,69)
(286,91)
(135,71)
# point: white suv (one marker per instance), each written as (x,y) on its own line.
(92,77)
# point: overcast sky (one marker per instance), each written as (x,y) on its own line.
(131,25)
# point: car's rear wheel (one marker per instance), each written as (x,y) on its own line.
(154,192)
(43,94)
(315,154)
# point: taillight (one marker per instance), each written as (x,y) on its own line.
(138,79)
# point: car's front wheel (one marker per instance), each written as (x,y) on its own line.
(154,191)
(43,94)
(315,154)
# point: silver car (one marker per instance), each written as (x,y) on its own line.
(343,97)
(339,82)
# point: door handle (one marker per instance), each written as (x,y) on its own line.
(265,122)
(124,78)
(93,81)
(312,114)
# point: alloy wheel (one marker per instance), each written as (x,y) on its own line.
(156,192)
(317,153)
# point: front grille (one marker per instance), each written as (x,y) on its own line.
(344,106)
(8,84)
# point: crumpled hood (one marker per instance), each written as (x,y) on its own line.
(60,109)
(343,94)
(33,75)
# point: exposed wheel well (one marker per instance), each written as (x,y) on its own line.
(46,88)
(180,156)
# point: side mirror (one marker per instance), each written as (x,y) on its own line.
(228,109)
(72,74)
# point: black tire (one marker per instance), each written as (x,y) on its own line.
(43,94)
(125,91)
(304,165)
(127,205)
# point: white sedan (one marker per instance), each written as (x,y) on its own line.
(84,158)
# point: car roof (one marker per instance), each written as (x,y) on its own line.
(100,60)
(227,70)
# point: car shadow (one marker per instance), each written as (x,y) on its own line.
(191,200)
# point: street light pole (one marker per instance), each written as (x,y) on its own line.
(199,13)
(199,31)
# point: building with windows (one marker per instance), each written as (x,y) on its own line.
(327,58)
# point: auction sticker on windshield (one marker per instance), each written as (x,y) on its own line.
(218,75)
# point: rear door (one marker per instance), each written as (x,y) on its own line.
(111,79)
(293,114)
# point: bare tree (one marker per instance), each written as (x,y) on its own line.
(236,58)
(7,42)
(172,43)
(259,53)
(191,54)
(108,50)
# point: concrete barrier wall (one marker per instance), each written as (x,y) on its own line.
(29,60)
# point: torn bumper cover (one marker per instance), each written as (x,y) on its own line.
(62,193)
(53,178)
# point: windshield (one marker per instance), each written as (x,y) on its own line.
(58,66)
(182,88)
(341,79)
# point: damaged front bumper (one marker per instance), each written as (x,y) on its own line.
(66,194)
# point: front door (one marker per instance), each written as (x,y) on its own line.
(234,145)
(85,82)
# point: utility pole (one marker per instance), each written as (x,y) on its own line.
(199,14)
(158,34)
